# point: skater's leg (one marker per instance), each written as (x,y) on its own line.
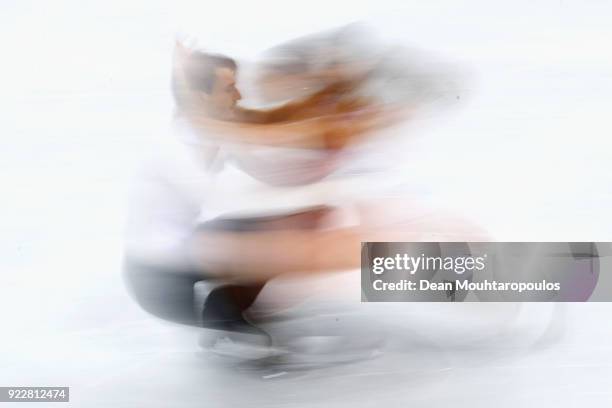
(225,306)
(166,294)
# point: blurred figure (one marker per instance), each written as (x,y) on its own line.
(166,288)
(249,194)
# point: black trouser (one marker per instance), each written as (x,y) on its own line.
(170,295)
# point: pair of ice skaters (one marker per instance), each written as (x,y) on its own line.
(255,195)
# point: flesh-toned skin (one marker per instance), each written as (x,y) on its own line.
(253,256)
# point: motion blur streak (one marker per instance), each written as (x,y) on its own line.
(494,127)
(264,193)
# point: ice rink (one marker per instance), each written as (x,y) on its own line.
(84,98)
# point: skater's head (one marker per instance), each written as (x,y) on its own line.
(205,80)
(303,65)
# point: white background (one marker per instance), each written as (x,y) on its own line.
(84,96)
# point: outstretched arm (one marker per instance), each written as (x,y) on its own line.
(252,256)
(320,103)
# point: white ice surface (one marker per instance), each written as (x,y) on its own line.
(83,97)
